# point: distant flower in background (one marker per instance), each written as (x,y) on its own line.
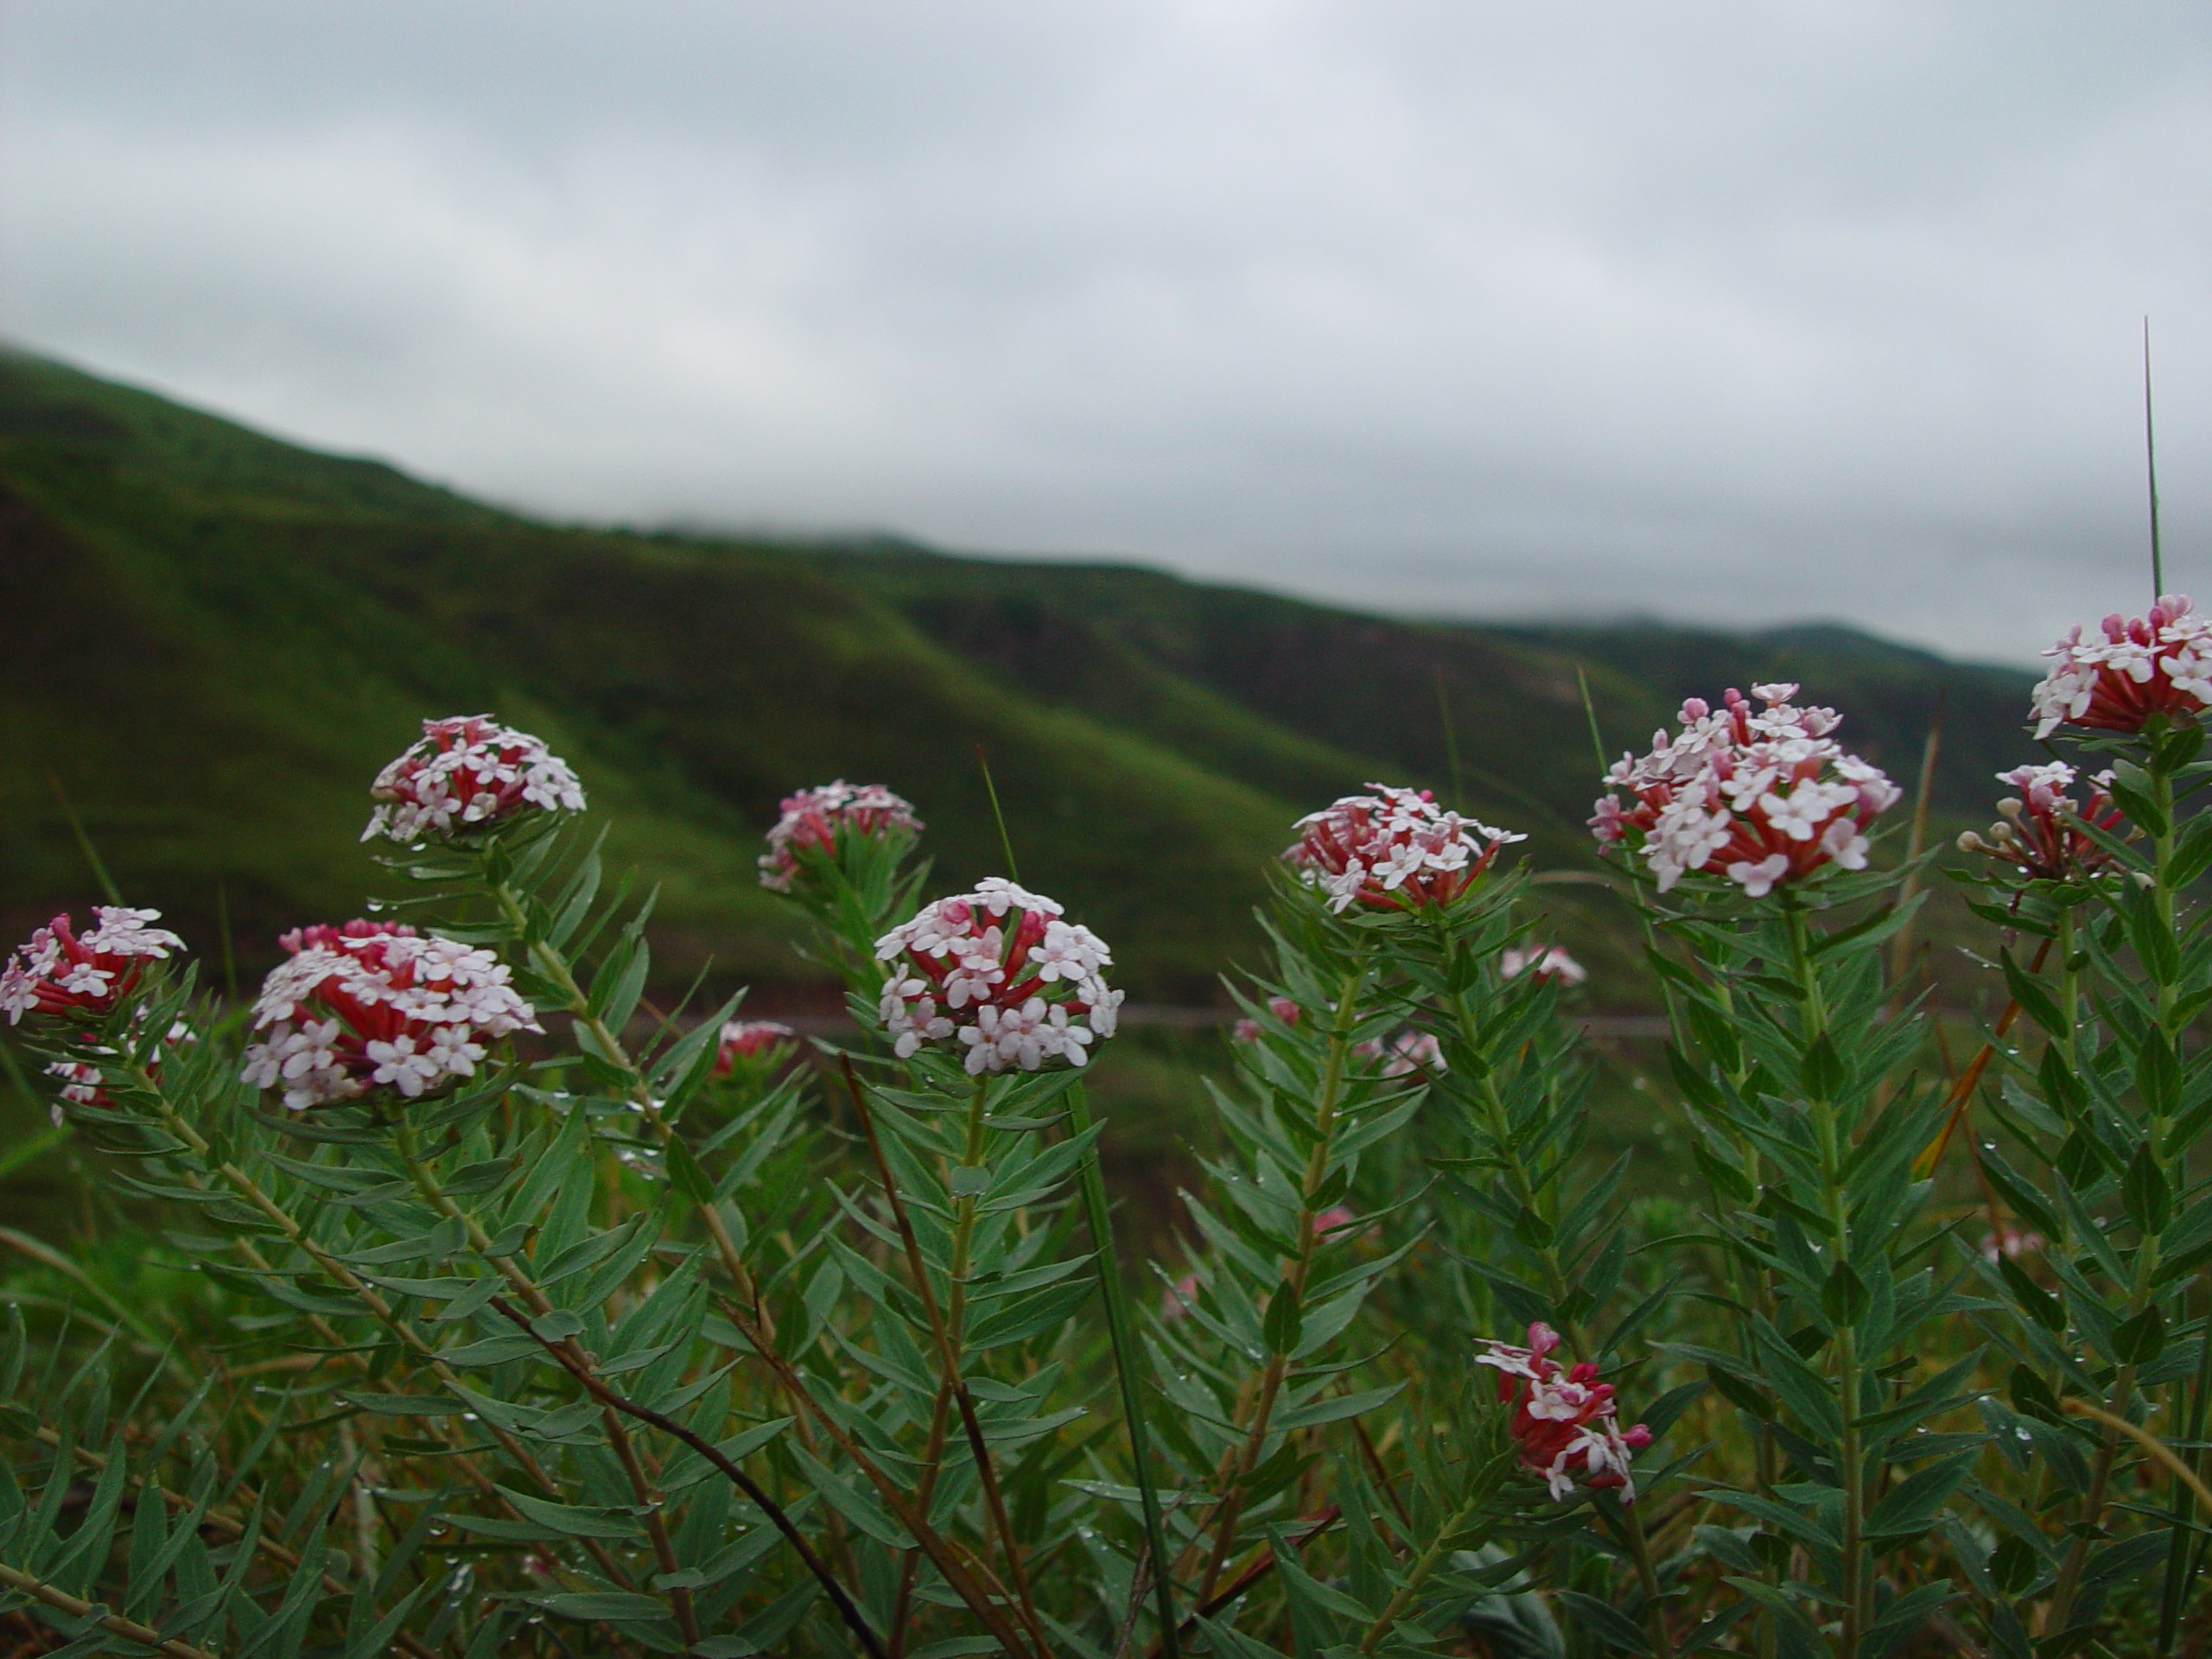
(1760,796)
(468,774)
(1395,850)
(2012,1245)
(2039,831)
(752,1039)
(365,1008)
(1405,1053)
(1546,962)
(1248,1031)
(998,973)
(59,973)
(1564,1421)
(818,819)
(2145,665)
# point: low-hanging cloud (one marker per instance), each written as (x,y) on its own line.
(1732,313)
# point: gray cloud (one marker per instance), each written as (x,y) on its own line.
(1730,312)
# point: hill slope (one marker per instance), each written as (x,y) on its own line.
(217,637)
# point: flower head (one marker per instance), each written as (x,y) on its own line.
(1565,1422)
(2160,663)
(752,1040)
(818,819)
(1760,796)
(999,973)
(1395,850)
(58,972)
(466,774)
(1545,962)
(2038,832)
(373,1008)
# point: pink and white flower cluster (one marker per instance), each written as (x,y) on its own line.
(998,972)
(466,773)
(371,1007)
(1761,796)
(59,972)
(2039,831)
(1395,850)
(2143,665)
(818,819)
(1545,962)
(1565,1422)
(751,1039)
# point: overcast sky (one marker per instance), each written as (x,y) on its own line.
(1731,312)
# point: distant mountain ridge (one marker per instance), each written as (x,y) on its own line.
(216,636)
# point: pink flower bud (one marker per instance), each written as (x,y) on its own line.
(818,819)
(467,774)
(752,1039)
(2039,831)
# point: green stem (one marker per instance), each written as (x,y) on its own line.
(1231,1507)
(1117,1331)
(2165,994)
(1828,1134)
(1418,1574)
(650,1501)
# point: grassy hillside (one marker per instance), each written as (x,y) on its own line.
(217,637)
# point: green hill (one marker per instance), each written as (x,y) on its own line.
(215,638)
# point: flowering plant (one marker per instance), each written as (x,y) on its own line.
(467,774)
(59,974)
(745,1040)
(367,1007)
(2158,663)
(2039,831)
(1393,851)
(644,1342)
(1760,796)
(999,972)
(1565,1426)
(820,821)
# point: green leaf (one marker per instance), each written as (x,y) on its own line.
(602,1607)
(2141,1339)
(1615,1628)
(2034,1000)
(2144,1194)
(1843,1297)
(2153,939)
(1822,1070)
(2013,1565)
(2157,1075)
(1281,1328)
(557,1326)
(685,1174)
(573,1522)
